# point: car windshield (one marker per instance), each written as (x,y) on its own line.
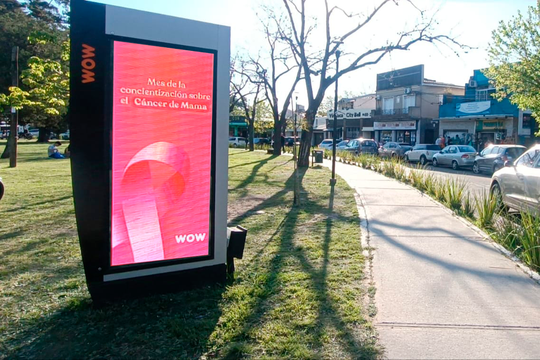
(343,143)
(466,149)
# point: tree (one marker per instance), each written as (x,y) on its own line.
(248,92)
(514,58)
(274,72)
(39,28)
(317,62)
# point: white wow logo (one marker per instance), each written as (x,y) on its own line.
(190,238)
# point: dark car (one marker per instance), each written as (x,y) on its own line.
(493,157)
(394,149)
(261,141)
(362,146)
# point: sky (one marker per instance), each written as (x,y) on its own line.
(468,21)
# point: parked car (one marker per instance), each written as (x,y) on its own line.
(326,144)
(289,141)
(422,153)
(342,145)
(237,141)
(363,146)
(394,149)
(455,156)
(517,184)
(493,157)
(64,136)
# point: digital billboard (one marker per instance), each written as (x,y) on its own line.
(161,153)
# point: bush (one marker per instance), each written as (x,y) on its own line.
(453,193)
(486,206)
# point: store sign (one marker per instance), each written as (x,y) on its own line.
(473,108)
(395,125)
(350,114)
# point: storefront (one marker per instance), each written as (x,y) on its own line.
(350,122)
(399,131)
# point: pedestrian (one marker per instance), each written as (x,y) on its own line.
(53,152)
(448,140)
(438,142)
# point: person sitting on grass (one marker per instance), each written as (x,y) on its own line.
(53,151)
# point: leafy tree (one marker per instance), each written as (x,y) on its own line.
(39,28)
(514,58)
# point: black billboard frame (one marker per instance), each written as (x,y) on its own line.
(92,170)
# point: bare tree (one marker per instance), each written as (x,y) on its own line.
(277,73)
(316,63)
(247,90)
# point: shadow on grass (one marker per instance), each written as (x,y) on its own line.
(51,201)
(289,251)
(166,326)
(248,180)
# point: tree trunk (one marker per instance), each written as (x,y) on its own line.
(305,142)
(250,135)
(43,136)
(277,138)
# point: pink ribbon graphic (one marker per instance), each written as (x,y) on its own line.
(153,181)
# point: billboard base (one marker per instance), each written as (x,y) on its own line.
(106,292)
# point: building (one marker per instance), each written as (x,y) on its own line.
(353,118)
(476,118)
(407,104)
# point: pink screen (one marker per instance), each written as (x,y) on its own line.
(161,153)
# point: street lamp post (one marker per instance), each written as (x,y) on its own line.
(295,135)
(334,130)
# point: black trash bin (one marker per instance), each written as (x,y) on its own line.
(317,156)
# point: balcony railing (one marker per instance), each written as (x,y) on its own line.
(399,111)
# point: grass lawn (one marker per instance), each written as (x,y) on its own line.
(298,292)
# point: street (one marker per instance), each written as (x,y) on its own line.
(476,184)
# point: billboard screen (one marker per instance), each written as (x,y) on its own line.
(162,138)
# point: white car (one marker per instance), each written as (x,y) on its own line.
(326,144)
(237,141)
(422,153)
(517,184)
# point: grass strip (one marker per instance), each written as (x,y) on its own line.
(297,293)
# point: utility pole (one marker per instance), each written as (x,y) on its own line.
(296,182)
(14,128)
(334,132)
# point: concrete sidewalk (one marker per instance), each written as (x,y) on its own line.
(442,290)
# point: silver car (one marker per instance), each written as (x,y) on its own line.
(394,149)
(517,184)
(455,156)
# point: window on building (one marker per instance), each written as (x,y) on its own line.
(408,101)
(388,106)
(484,94)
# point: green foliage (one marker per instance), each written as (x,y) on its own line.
(453,193)
(39,29)
(514,58)
(486,207)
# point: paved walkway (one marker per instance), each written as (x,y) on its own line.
(442,291)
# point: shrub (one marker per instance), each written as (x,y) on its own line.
(453,193)
(486,206)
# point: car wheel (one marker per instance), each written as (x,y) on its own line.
(423,160)
(497,194)
(475,168)
(435,162)
(234,145)
(455,165)
(496,168)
